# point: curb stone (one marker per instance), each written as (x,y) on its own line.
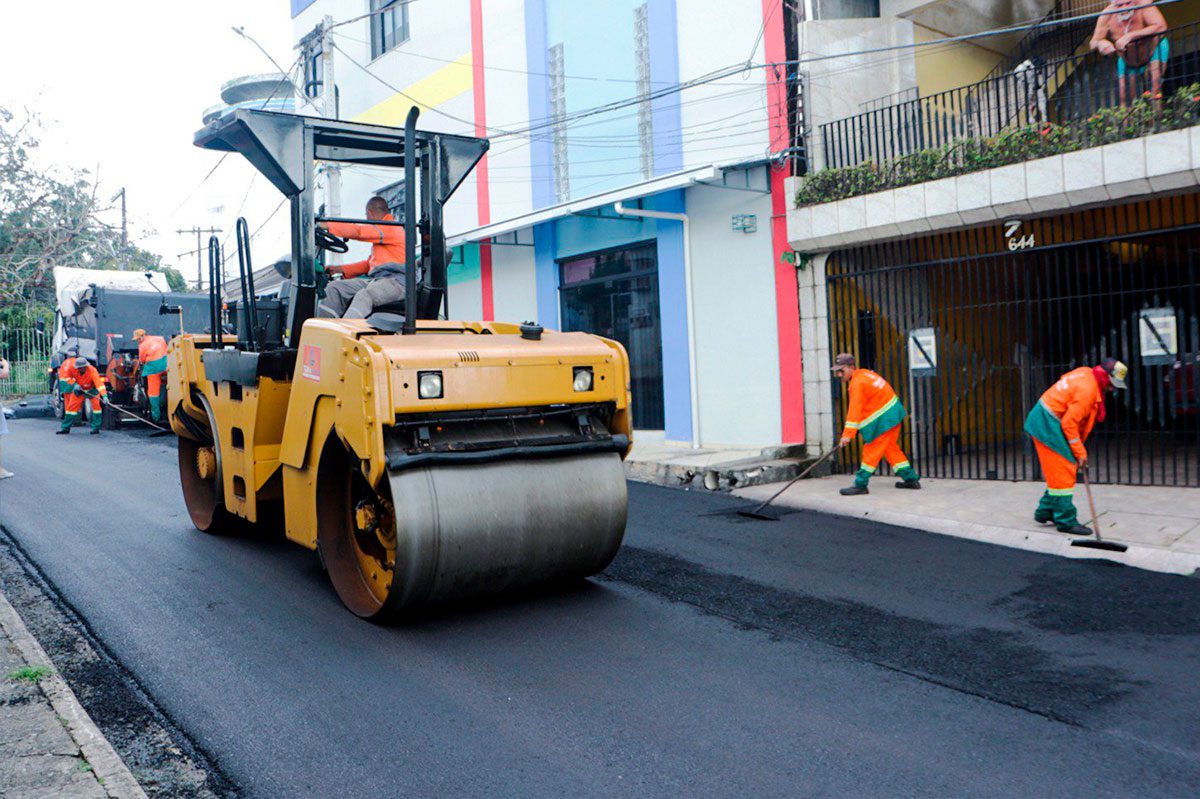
(108,767)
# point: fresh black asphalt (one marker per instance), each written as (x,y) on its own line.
(814,656)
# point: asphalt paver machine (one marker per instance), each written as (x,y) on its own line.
(424,459)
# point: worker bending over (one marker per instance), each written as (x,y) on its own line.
(1059,424)
(152,355)
(80,379)
(379,280)
(875,413)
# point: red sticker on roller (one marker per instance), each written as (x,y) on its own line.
(310,365)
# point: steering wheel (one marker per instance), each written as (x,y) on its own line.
(330,242)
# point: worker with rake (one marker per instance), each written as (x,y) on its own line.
(152,355)
(875,413)
(80,379)
(1059,425)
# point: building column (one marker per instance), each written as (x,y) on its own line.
(787,316)
(814,338)
(482,193)
(672,304)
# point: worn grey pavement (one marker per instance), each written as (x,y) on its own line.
(814,656)
(37,755)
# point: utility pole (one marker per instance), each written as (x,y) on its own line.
(124,231)
(200,250)
(333,173)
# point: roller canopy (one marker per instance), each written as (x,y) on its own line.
(274,143)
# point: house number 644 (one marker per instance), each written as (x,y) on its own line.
(1012,230)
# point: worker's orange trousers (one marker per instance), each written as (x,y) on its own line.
(885,446)
(1057,504)
(73,403)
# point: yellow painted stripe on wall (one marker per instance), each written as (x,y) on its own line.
(442,86)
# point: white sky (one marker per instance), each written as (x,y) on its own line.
(121,86)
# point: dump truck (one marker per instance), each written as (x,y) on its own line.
(424,459)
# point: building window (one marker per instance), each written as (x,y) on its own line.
(389,25)
(312,46)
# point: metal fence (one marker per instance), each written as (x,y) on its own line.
(1066,92)
(28,354)
(1000,313)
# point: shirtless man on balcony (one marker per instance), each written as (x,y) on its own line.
(1136,36)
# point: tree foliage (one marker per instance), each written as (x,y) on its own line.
(53,217)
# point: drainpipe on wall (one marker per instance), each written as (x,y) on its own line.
(687,291)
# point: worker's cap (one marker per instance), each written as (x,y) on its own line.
(1116,371)
(842,360)
(81,363)
(139,333)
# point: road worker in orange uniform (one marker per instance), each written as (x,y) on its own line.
(152,355)
(1059,424)
(80,379)
(379,280)
(875,413)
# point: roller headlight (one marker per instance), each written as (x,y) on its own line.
(429,385)
(583,378)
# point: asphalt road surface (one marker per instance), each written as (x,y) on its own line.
(814,656)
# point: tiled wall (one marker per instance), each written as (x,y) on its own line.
(814,350)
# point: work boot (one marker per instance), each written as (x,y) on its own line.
(63,431)
(914,484)
(1076,529)
(95,431)
(1043,516)
(854,491)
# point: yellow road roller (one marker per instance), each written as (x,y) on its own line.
(424,459)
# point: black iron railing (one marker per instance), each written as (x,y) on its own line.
(1058,99)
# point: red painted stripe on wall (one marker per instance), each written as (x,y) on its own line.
(482,194)
(787,301)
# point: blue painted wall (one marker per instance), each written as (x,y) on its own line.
(546,272)
(664,71)
(540,151)
(672,295)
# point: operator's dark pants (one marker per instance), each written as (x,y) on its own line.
(357,297)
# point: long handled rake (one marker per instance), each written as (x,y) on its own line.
(1097,542)
(760,513)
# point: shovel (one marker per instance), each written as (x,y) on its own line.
(767,516)
(1097,542)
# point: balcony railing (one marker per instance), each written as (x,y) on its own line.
(1072,104)
(1059,98)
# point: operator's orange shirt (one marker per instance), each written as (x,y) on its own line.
(1075,399)
(387,243)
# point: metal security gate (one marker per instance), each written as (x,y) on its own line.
(28,353)
(970,327)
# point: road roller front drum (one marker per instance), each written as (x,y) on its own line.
(462,531)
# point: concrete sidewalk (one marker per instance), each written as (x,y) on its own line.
(49,747)
(1160,525)
(653,459)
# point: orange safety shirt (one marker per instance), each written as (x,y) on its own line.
(88,379)
(387,243)
(874,406)
(151,348)
(1076,400)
